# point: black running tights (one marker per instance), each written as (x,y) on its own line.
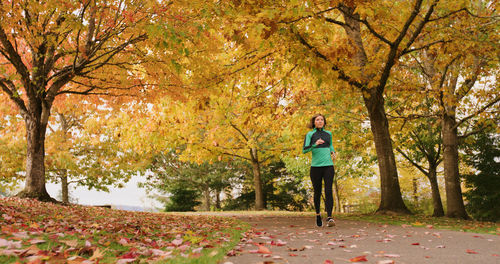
(318,174)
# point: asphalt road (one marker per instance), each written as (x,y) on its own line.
(292,239)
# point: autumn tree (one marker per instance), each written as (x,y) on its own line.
(167,172)
(460,75)
(78,154)
(421,146)
(92,45)
(13,152)
(244,123)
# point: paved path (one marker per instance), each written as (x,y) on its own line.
(295,239)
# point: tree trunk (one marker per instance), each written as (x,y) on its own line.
(217,199)
(436,196)
(415,192)
(206,198)
(64,187)
(35,158)
(454,201)
(336,196)
(257,181)
(391,200)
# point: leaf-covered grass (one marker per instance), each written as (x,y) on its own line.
(410,220)
(36,231)
(428,222)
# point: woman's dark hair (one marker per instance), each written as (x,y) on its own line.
(311,125)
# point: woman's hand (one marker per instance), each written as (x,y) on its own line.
(334,156)
(319,142)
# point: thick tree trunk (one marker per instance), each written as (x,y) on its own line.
(336,196)
(454,201)
(257,181)
(64,187)
(35,158)
(391,200)
(436,196)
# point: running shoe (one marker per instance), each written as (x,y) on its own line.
(330,222)
(319,222)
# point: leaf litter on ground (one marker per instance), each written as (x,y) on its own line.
(33,231)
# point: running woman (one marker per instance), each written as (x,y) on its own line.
(319,141)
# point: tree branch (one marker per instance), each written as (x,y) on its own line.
(14,58)
(9,88)
(482,109)
(420,168)
(342,75)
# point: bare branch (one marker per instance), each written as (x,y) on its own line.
(425,46)
(419,27)
(482,109)
(420,168)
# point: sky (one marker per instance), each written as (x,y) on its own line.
(130,195)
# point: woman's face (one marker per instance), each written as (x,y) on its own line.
(319,122)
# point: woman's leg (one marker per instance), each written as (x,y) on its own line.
(328,175)
(316,177)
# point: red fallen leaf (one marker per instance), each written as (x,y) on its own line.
(495,255)
(292,255)
(328,262)
(470,251)
(427,256)
(281,243)
(358,259)
(129,255)
(415,244)
(263,250)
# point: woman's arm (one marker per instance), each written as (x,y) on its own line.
(307,144)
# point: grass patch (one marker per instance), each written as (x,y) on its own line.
(427,221)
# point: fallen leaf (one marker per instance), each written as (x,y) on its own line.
(328,262)
(470,251)
(415,244)
(96,255)
(358,259)
(177,241)
(122,261)
(387,261)
(71,243)
(36,241)
(263,250)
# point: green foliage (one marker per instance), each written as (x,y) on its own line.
(482,196)
(166,171)
(282,189)
(424,205)
(182,200)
